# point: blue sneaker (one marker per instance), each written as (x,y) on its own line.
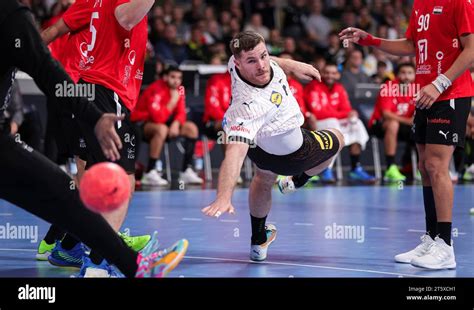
(103,270)
(67,258)
(327,176)
(360,175)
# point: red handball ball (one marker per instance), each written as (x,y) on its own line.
(104,187)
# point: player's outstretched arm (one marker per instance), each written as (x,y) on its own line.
(55,31)
(301,70)
(131,13)
(228,174)
(400,47)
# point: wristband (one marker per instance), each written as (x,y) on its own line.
(441,83)
(370,41)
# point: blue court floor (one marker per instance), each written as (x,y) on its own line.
(322,232)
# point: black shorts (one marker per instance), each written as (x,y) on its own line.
(444,123)
(211,132)
(108,102)
(404,131)
(318,147)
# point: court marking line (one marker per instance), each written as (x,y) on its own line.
(6,214)
(194,219)
(9,249)
(304,265)
(229,221)
(154,217)
(303,224)
(424,231)
(379,228)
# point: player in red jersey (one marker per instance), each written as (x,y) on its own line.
(392,118)
(216,103)
(440,34)
(161,111)
(105,53)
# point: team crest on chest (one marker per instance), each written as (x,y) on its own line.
(276,98)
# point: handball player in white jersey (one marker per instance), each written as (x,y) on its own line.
(264,122)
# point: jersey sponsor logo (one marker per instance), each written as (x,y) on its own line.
(139,74)
(423,69)
(439,121)
(324,140)
(276,98)
(439,56)
(240,126)
(445,135)
(132,56)
(437,10)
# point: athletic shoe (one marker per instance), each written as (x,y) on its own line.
(360,175)
(153,263)
(44,250)
(314,179)
(258,252)
(136,243)
(190,177)
(393,174)
(420,250)
(327,176)
(153,178)
(103,270)
(67,258)
(286,185)
(439,256)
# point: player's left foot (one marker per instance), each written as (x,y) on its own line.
(286,185)
(258,252)
(439,256)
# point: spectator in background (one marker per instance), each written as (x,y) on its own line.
(335,9)
(392,118)
(224,20)
(275,43)
(329,106)
(317,25)
(214,32)
(366,21)
(235,28)
(352,74)
(335,53)
(382,75)
(256,24)
(266,9)
(182,28)
(169,48)
(319,62)
(348,18)
(295,14)
(370,62)
(197,48)
(161,109)
(157,33)
(195,13)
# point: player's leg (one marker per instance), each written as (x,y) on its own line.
(260,203)
(190,133)
(156,134)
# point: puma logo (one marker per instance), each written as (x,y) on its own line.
(444,134)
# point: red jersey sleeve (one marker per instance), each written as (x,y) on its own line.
(78,15)
(464,12)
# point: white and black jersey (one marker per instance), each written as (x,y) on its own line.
(265,114)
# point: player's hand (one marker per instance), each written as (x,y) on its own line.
(174,130)
(426,97)
(173,100)
(217,208)
(107,136)
(305,71)
(13,128)
(352,34)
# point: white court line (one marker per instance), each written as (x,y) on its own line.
(416,230)
(194,219)
(303,265)
(154,217)
(303,224)
(229,221)
(6,214)
(28,250)
(379,228)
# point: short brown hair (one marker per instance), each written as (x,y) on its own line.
(245,41)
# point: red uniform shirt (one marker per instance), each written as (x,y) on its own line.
(393,102)
(111,56)
(152,103)
(297,91)
(324,103)
(435,28)
(217,99)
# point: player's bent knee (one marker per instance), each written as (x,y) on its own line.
(340,137)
